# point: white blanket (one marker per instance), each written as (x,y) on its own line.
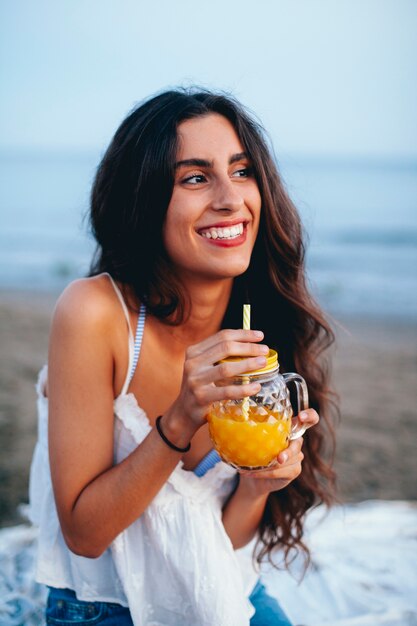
(364,570)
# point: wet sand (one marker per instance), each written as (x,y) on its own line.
(375,374)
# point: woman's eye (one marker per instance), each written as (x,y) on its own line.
(194,179)
(243,172)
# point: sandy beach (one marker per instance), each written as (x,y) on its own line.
(375,374)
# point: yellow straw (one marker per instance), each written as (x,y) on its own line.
(246,326)
(246,317)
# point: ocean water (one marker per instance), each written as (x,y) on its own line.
(360,216)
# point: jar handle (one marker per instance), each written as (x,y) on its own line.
(298,429)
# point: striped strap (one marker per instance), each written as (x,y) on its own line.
(138,340)
(134,346)
(123,303)
(210,460)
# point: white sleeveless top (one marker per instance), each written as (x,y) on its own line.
(175,565)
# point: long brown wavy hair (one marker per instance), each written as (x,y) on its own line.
(129,201)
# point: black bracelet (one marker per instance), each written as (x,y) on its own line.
(167,441)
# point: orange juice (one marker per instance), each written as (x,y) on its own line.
(249,443)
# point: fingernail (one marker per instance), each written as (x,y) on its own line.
(264,349)
(258,333)
(303,415)
(261,360)
(284,457)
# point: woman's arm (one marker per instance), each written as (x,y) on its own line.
(243,512)
(242,515)
(95,499)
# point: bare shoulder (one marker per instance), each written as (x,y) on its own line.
(89,301)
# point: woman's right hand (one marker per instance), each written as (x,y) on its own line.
(202,370)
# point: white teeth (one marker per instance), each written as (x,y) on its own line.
(223,233)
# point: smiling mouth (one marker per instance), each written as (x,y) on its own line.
(227,232)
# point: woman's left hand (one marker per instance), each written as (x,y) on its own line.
(262,482)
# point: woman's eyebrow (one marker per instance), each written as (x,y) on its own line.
(193,162)
(239,156)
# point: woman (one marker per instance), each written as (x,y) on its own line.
(139,523)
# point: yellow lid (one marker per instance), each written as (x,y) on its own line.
(271,363)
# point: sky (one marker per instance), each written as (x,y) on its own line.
(326,77)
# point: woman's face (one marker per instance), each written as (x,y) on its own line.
(213,215)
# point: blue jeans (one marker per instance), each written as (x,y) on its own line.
(267,610)
(63,609)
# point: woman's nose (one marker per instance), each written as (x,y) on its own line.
(227,196)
